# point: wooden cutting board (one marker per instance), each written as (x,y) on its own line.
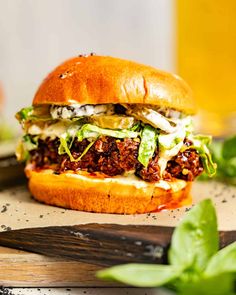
(18,210)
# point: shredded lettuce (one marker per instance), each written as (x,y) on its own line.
(147,145)
(30,143)
(200,144)
(88,131)
(25,145)
(93,131)
(24,114)
(64,147)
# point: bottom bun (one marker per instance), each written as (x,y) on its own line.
(97,193)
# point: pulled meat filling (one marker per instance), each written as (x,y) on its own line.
(113,156)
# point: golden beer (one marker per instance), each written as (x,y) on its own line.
(206,58)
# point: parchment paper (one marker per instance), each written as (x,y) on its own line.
(19,210)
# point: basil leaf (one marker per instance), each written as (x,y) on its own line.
(141,275)
(230,167)
(195,240)
(226,167)
(217,285)
(229,148)
(147,145)
(222,262)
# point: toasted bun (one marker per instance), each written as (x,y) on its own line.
(103,79)
(105,195)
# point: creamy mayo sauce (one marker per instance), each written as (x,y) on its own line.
(52,131)
(131,180)
(80,110)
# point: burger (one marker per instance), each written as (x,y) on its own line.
(109,135)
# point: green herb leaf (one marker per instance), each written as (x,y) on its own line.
(148,144)
(223,262)
(141,275)
(194,268)
(217,285)
(195,240)
(229,148)
(223,154)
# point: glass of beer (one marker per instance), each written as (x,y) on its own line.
(206,59)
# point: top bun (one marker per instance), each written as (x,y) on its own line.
(102,79)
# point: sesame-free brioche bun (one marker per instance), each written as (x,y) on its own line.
(84,192)
(103,79)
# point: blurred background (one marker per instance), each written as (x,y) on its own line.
(196,39)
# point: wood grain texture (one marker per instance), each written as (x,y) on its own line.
(101,244)
(23,269)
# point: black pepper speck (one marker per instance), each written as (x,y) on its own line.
(4,209)
(5,291)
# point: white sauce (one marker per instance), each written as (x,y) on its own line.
(80,110)
(168,147)
(132,180)
(52,131)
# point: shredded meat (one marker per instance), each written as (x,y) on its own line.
(186,165)
(113,156)
(152,172)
